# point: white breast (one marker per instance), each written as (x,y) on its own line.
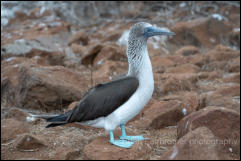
(138,100)
(141,69)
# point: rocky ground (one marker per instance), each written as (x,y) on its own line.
(48,63)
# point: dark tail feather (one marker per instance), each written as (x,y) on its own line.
(59,118)
(56,119)
(55,124)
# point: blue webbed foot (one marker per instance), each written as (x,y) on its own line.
(132,138)
(129,138)
(122,143)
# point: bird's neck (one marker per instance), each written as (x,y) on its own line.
(139,60)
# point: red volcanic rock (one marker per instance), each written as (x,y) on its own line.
(72,105)
(200,32)
(50,88)
(210,75)
(63,153)
(78,49)
(187,51)
(11,128)
(232,91)
(17,114)
(232,77)
(90,53)
(160,114)
(190,102)
(114,36)
(234,65)
(109,52)
(224,124)
(198,144)
(109,71)
(199,60)
(29,142)
(101,149)
(141,114)
(222,53)
(161,63)
(80,38)
(223,97)
(179,82)
(185,68)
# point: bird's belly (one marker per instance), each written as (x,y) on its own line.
(98,122)
(125,112)
(134,105)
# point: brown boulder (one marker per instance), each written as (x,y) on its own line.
(161,63)
(234,65)
(185,68)
(198,60)
(223,97)
(101,149)
(28,30)
(29,142)
(141,114)
(190,102)
(63,153)
(171,83)
(224,124)
(209,75)
(109,70)
(214,66)
(232,91)
(50,88)
(231,77)
(109,52)
(200,32)
(78,49)
(80,38)
(72,105)
(235,37)
(187,51)
(11,128)
(112,37)
(198,144)
(17,114)
(10,66)
(161,114)
(178,59)
(90,53)
(222,53)
(179,82)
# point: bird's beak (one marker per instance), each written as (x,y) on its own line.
(153,31)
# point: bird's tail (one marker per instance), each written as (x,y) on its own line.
(56,120)
(55,124)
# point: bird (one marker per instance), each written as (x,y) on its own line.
(112,104)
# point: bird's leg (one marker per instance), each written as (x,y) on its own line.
(130,138)
(120,143)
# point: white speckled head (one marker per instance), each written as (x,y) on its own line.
(138,30)
(145,30)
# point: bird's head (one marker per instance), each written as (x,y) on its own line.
(146,30)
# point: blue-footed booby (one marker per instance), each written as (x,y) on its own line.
(113,104)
